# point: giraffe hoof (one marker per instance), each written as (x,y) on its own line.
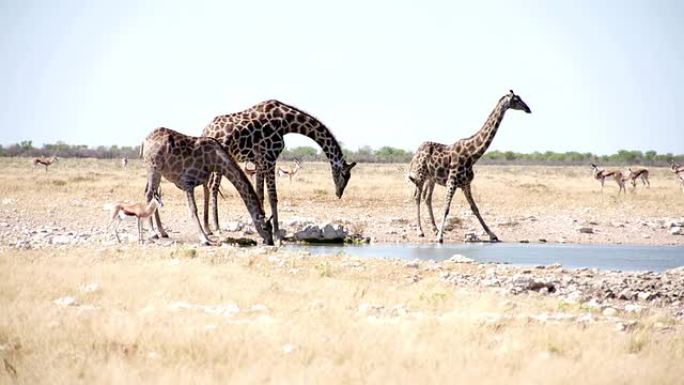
(494,239)
(440,240)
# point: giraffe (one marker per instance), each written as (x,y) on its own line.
(452,165)
(290,172)
(187,162)
(256,135)
(638,173)
(44,161)
(600,174)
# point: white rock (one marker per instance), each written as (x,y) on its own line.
(288,348)
(609,312)
(413,264)
(459,258)
(633,308)
(90,288)
(234,226)
(675,230)
(66,301)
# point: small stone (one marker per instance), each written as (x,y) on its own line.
(609,312)
(234,226)
(585,230)
(675,230)
(645,296)
(459,258)
(633,308)
(66,301)
(627,295)
(413,264)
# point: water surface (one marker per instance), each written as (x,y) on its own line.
(611,257)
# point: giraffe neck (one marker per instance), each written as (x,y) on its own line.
(479,142)
(243,186)
(307,125)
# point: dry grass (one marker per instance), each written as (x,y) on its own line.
(223,315)
(257,316)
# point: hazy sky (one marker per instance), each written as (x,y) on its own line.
(598,75)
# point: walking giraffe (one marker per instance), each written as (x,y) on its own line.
(452,165)
(600,174)
(256,135)
(187,162)
(638,173)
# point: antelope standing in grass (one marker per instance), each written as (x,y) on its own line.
(124,162)
(638,173)
(140,211)
(600,174)
(679,171)
(283,171)
(44,161)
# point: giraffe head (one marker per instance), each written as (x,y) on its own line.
(264,228)
(341,173)
(515,102)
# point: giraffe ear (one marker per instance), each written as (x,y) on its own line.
(512,93)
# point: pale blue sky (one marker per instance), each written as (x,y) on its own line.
(598,75)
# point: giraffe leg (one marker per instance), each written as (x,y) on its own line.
(205,213)
(153,180)
(273,200)
(192,207)
(215,184)
(451,189)
(259,184)
(417,195)
(473,207)
(428,203)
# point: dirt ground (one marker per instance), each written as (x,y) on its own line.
(520,203)
(78,308)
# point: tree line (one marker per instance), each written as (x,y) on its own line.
(385,154)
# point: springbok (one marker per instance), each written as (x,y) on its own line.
(679,171)
(282,171)
(122,210)
(44,161)
(600,174)
(638,173)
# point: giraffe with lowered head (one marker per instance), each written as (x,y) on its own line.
(452,165)
(256,135)
(187,162)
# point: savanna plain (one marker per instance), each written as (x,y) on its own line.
(78,307)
